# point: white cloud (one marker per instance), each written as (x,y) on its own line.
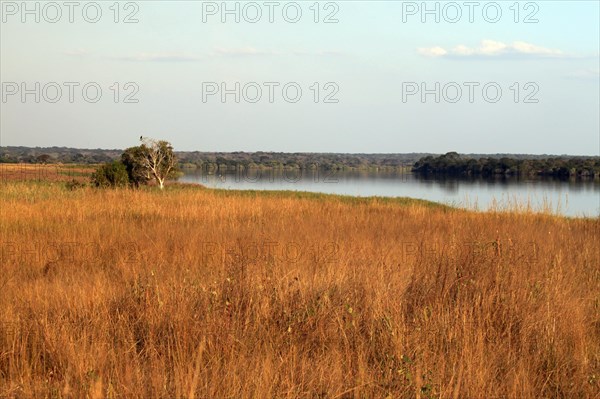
(432,52)
(492,48)
(243,51)
(160,57)
(528,48)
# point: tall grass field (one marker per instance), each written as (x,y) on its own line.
(197,293)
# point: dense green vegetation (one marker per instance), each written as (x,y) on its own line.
(218,160)
(113,174)
(298,160)
(453,164)
(50,155)
(449,164)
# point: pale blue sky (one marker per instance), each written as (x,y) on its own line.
(369,54)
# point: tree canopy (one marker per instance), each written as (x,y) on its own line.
(152,160)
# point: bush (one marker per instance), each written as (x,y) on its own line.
(112,174)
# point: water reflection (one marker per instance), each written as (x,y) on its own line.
(570,196)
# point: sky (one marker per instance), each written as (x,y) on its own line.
(304,76)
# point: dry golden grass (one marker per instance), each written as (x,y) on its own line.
(11,172)
(195,293)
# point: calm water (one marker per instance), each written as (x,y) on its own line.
(573,198)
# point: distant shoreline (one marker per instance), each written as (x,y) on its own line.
(255,160)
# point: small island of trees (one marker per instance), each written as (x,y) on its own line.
(455,165)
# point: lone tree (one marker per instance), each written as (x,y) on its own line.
(155,159)
(138,174)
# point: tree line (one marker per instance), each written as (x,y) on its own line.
(451,164)
(455,165)
(218,160)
